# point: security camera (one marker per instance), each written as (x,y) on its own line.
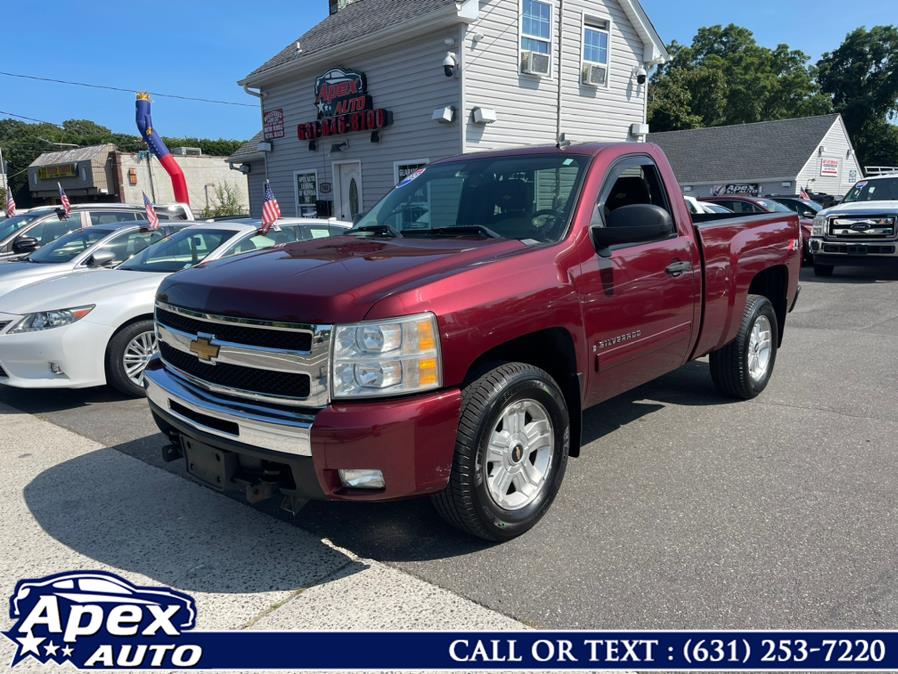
(450,62)
(641,75)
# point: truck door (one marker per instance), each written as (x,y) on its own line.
(638,302)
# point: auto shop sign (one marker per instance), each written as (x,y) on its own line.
(750,189)
(829,166)
(273,123)
(344,106)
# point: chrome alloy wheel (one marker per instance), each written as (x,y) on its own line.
(760,347)
(518,456)
(137,355)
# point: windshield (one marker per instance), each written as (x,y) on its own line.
(523,197)
(884,189)
(10,226)
(68,247)
(180,251)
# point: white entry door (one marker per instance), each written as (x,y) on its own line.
(349,190)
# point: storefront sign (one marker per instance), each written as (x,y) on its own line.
(852,176)
(344,106)
(405,170)
(57,171)
(306,193)
(752,189)
(273,123)
(829,166)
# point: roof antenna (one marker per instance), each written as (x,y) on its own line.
(562,141)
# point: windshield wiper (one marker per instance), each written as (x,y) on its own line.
(463,230)
(377,230)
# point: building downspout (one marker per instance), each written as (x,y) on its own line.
(260,95)
(559,73)
(462,102)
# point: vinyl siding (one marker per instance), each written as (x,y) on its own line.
(526,106)
(837,147)
(255,181)
(407,79)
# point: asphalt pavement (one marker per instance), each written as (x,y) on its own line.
(684,510)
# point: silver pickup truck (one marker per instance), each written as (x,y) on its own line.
(861,230)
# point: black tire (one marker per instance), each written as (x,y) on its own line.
(825,270)
(116,376)
(730,365)
(466,502)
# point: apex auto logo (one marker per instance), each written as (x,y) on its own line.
(94,619)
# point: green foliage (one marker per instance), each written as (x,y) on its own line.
(23,142)
(862,78)
(726,77)
(224,202)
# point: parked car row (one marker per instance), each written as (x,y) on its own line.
(78,311)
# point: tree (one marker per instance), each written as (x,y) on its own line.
(224,202)
(862,78)
(726,77)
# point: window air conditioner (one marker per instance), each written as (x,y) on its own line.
(594,75)
(534,63)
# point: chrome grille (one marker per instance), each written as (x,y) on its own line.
(279,363)
(862,227)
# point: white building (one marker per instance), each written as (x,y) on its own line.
(779,157)
(382,87)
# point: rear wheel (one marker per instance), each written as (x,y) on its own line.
(743,367)
(823,269)
(127,355)
(510,454)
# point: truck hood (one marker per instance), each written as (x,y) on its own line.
(77,289)
(17,274)
(328,280)
(861,208)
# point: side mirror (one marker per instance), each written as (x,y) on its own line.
(25,244)
(636,223)
(808,214)
(102,258)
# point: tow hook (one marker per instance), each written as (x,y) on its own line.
(171,453)
(260,491)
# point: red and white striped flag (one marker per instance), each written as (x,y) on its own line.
(64,200)
(10,204)
(271,211)
(152,218)
(804,195)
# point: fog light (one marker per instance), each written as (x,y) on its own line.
(359,478)
(55,369)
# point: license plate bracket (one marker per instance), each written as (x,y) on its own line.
(209,465)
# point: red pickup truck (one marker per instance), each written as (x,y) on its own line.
(449,343)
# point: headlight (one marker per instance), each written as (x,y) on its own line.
(385,358)
(819,228)
(44,320)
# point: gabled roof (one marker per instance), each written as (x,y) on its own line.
(74,155)
(777,149)
(357,20)
(248,151)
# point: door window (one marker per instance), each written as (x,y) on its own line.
(108,217)
(51,229)
(635,180)
(127,245)
(353,198)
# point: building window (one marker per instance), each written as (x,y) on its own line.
(403,169)
(536,26)
(595,41)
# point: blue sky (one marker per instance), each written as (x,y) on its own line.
(201,48)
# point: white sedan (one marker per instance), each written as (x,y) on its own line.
(82,330)
(87,249)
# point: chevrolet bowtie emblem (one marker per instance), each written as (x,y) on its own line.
(203,348)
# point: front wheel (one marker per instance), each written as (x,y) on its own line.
(127,355)
(510,454)
(743,367)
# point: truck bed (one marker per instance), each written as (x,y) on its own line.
(735,249)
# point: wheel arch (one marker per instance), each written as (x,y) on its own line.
(129,322)
(552,350)
(773,283)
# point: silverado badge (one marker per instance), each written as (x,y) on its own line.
(203,348)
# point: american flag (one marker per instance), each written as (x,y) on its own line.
(152,218)
(271,211)
(64,200)
(10,203)
(804,195)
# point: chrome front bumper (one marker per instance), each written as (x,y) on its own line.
(288,432)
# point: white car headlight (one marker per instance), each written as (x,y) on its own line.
(386,358)
(819,227)
(45,320)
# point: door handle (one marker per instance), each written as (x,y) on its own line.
(678,268)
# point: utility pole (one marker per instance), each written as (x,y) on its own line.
(5,184)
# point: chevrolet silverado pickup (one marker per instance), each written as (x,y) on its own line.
(861,230)
(448,344)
